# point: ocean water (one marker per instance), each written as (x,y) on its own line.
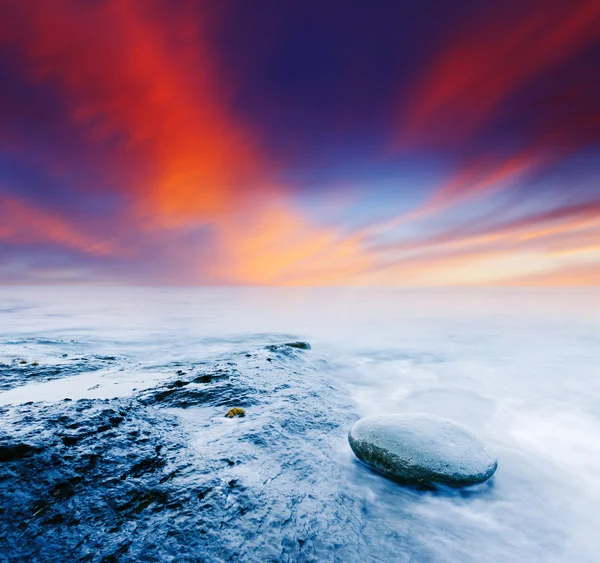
(114,445)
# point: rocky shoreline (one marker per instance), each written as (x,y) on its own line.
(142,477)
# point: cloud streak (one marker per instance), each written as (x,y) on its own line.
(24,225)
(483,66)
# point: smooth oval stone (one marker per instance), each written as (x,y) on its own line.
(422,449)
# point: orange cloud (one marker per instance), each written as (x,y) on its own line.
(571,275)
(484,175)
(555,222)
(276,246)
(492,252)
(22,223)
(481,176)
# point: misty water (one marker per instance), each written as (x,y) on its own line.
(115,447)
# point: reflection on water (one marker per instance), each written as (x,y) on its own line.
(517,366)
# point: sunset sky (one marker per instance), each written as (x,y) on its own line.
(300,142)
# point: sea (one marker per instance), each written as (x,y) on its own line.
(114,444)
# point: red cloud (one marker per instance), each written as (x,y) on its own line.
(481,68)
(143,72)
(466,84)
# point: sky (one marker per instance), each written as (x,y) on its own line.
(300,142)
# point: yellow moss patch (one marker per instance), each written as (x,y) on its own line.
(235,411)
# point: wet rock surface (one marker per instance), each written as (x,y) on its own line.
(164,476)
(298,345)
(422,449)
(18,372)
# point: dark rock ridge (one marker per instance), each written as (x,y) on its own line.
(298,345)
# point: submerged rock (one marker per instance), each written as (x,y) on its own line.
(422,449)
(299,345)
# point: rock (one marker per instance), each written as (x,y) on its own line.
(299,345)
(422,449)
(203,379)
(15,452)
